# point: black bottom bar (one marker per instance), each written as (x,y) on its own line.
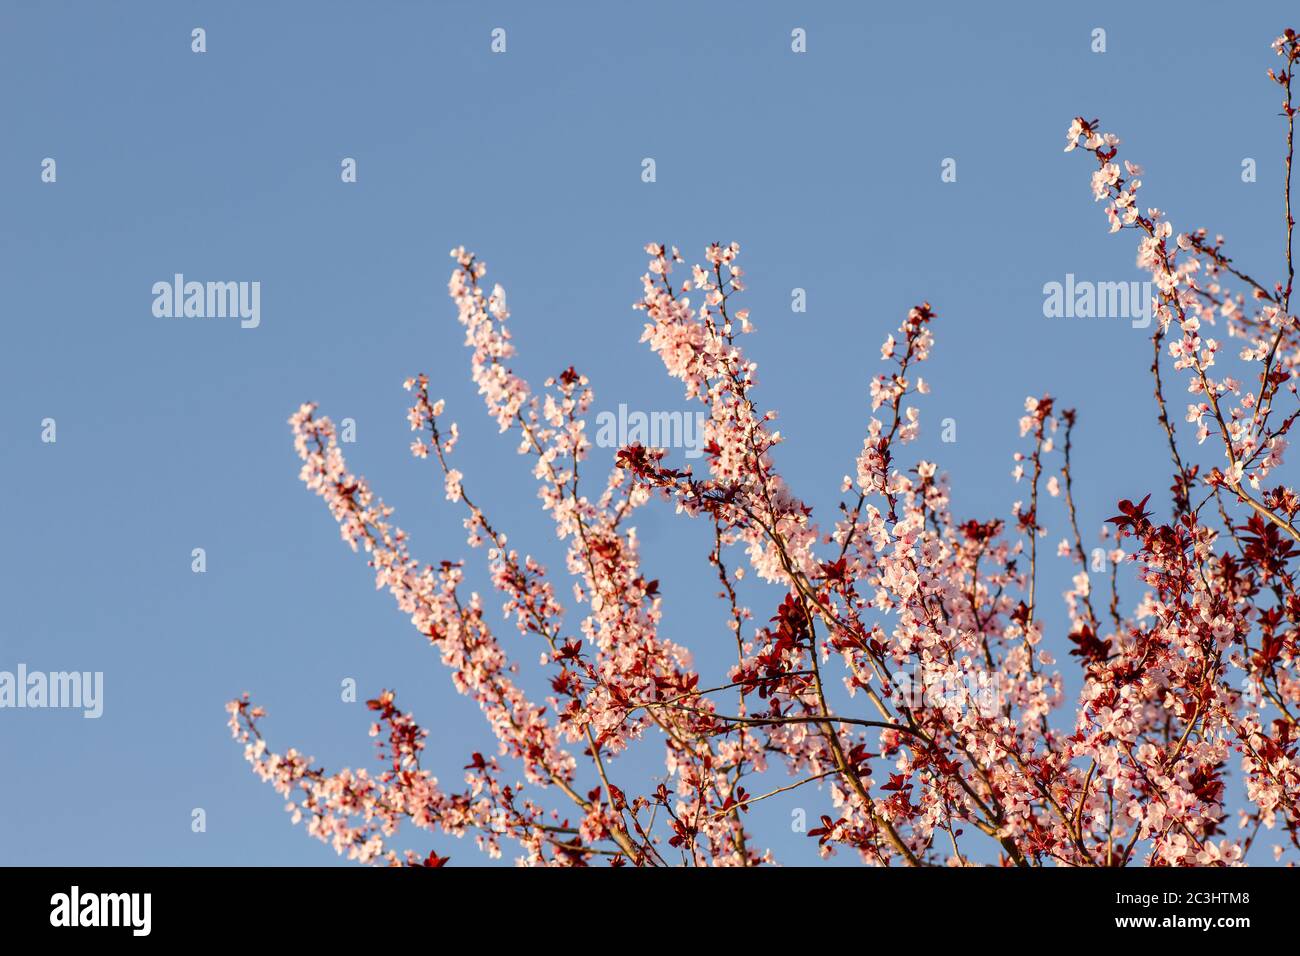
(315,905)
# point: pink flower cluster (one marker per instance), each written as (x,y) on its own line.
(1203,675)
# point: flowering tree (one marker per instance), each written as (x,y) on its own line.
(932,625)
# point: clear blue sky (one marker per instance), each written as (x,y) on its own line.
(225,166)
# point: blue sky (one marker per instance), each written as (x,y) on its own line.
(825,167)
